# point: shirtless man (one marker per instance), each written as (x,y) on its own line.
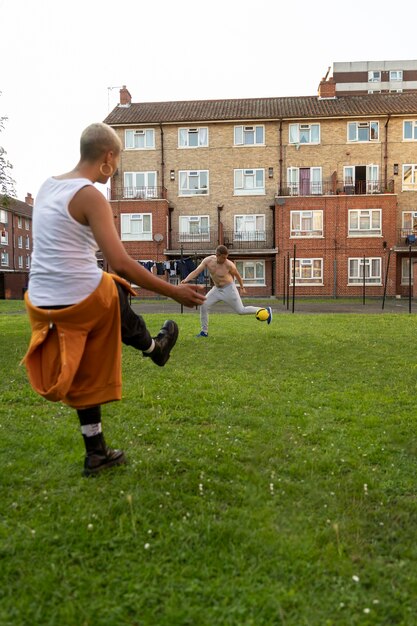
(223,273)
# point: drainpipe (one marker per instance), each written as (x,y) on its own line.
(386,153)
(162,160)
(280,156)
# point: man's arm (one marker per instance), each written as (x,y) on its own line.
(195,272)
(235,274)
(89,206)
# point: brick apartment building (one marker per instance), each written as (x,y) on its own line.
(319,189)
(15,246)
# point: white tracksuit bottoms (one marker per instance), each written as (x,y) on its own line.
(228,294)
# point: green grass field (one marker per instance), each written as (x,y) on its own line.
(271,481)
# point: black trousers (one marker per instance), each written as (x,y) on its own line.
(133,327)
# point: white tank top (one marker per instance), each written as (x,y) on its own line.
(64,267)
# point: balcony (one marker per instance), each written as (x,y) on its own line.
(334,187)
(406,237)
(137,193)
(207,241)
(251,240)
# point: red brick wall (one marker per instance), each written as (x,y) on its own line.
(336,247)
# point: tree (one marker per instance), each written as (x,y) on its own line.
(7,183)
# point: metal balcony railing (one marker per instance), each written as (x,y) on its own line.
(251,240)
(334,187)
(201,240)
(137,193)
(407,237)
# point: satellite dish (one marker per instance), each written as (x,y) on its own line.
(158,237)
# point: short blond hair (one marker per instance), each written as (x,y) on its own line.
(97,139)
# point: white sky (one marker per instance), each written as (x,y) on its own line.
(57,60)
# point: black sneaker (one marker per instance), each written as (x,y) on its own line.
(164,342)
(97,461)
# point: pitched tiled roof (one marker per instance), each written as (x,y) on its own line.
(16,206)
(306,107)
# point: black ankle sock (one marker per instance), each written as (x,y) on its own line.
(90,421)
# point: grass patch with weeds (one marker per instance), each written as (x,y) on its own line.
(271,480)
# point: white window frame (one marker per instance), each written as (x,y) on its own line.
(4,218)
(20,261)
(20,241)
(302,134)
(27,242)
(409,222)
(314,265)
(294,181)
(358,215)
(4,240)
(136,226)
(354,129)
(373,184)
(411,125)
(186,177)
(412,185)
(27,224)
(243,135)
(396,75)
(133,136)
(405,271)
(185,134)
(315,217)
(374,76)
(140,185)
(371,278)
(19,221)
(4,259)
(249,227)
(198,228)
(27,261)
(249,182)
(252,272)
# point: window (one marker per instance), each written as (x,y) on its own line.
(4,259)
(19,222)
(304,133)
(193,183)
(4,237)
(140,139)
(365,222)
(3,216)
(252,272)
(192,137)
(304,181)
(20,241)
(140,185)
(372,271)
(410,130)
(136,227)
(27,242)
(409,177)
(409,223)
(363,131)
(249,182)
(194,228)
(249,228)
(307,271)
(361,179)
(20,261)
(27,262)
(405,271)
(249,135)
(27,224)
(374,91)
(306,224)
(396,75)
(374,76)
